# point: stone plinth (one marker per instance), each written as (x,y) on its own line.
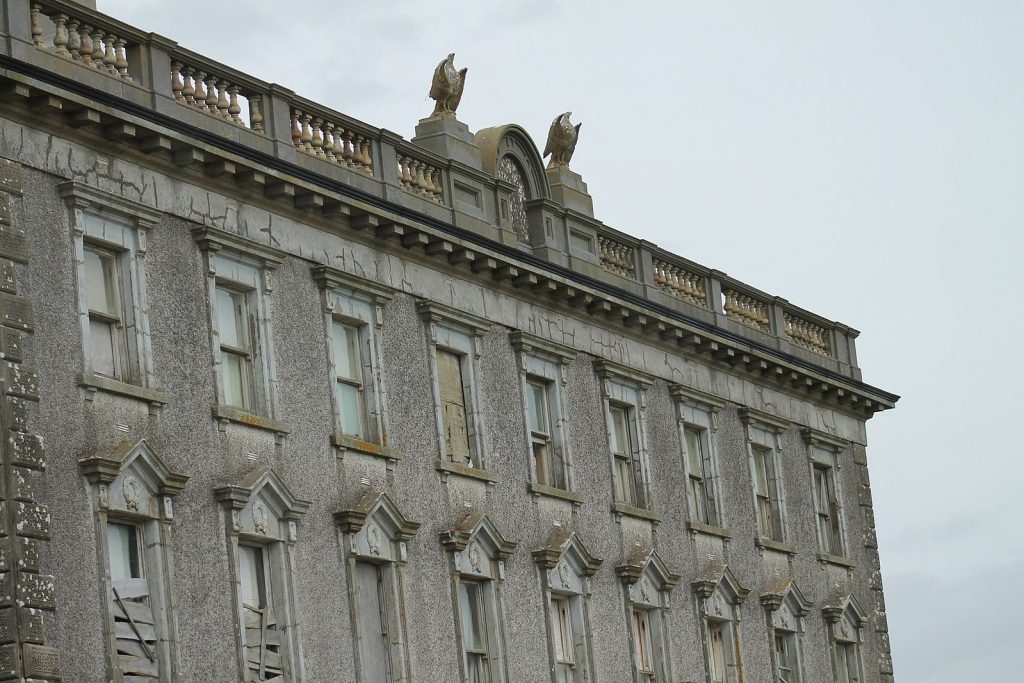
(569,190)
(447,136)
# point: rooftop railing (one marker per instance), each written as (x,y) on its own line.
(157,72)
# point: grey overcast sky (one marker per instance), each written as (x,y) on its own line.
(863,159)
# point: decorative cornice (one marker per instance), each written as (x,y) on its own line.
(550,554)
(524,342)
(685,394)
(814,437)
(98,201)
(764,420)
(104,468)
(442,314)
(212,239)
(331,278)
(471,525)
(642,559)
(351,520)
(237,495)
(616,372)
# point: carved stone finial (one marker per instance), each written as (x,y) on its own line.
(446,88)
(562,138)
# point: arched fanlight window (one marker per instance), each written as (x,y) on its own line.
(511,172)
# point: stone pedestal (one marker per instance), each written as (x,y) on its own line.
(569,190)
(447,136)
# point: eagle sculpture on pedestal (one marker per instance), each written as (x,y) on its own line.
(446,88)
(562,138)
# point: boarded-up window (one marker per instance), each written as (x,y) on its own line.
(262,636)
(372,624)
(451,381)
(135,633)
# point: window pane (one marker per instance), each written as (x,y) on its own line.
(471,613)
(542,461)
(123,548)
(251,575)
(231,318)
(233,373)
(717,652)
(620,429)
(694,453)
(624,489)
(101,283)
(346,352)
(103,347)
(537,405)
(350,406)
(642,639)
(760,475)
(562,629)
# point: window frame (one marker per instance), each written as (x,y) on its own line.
(626,390)
(697,411)
(458,333)
(785,610)
(846,623)
(110,223)
(763,441)
(648,583)
(824,452)
(719,599)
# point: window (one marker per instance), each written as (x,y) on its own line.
(239,283)
(566,570)
(236,354)
(478,552)
(135,515)
(374,535)
(845,623)
(547,465)
(623,391)
(260,536)
(452,338)
(475,643)
(348,375)
(109,235)
(766,497)
(354,313)
(719,597)
(763,445)
(697,415)
(827,506)
(647,582)
(786,608)
(627,462)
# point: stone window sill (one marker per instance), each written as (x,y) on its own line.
(709,530)
(554,492)
(93,382)
(779,546)
(827,558)
(445,468)
(345,442)
(639,513)
(223,412)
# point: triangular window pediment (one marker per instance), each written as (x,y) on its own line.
(134,479)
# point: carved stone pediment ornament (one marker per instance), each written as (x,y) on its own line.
(260,518)
(645,590)
(373,540)
(474,557)
(132,491)
(563,575)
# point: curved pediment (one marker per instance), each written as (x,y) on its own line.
(513,142)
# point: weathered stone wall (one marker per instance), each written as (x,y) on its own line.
(75,423)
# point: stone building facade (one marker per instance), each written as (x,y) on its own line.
(290,398)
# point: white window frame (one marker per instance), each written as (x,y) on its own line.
(359,304)
(764,433)
(698,411)
(239,264)
(478,553)
(458,333)
(541,361)
(627,389)
(825,451)
(648,585)
(374,531)
(566,570)
(132,485)
(119,227)
(260,511)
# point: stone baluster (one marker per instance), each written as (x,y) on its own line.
(256,113)
(339,145)
(438,188)
(349,154)
(318,138)
(199,100)
(109,56)
(211,94)
(365,158)
(188,89)
(223,105)
(296,129)
(177,86)
(74,39)
(85,44)
(307,133)
(234,109)
(329,141)
(37,28)
(98,51)
(121,57)
(60,35)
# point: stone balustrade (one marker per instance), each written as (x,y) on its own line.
(419,177)
(677,281)
(200,87)
(807,334)
(617,257)
(747,310)
(58,29)
(331,140)
(156,72)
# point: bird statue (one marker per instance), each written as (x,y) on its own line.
(446,88)
(562,138)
